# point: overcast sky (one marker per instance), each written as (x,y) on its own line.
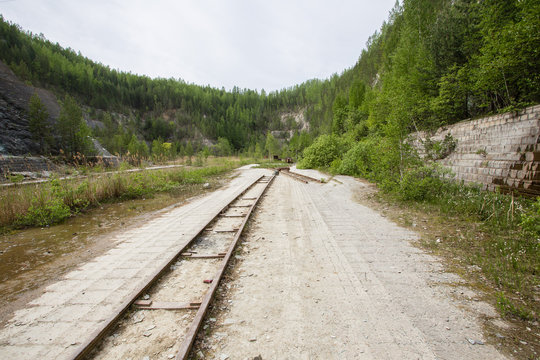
(255,44)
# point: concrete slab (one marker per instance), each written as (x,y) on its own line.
(75,307)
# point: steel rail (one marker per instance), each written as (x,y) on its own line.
(297,176)
(185,348)
(88,345)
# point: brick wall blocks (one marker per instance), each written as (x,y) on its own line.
(503,148)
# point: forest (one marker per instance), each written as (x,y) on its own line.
(433,62)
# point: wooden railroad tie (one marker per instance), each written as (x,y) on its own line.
(193,255)
(166,305)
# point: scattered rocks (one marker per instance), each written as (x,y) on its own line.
(475,342)
(138,317)
(206,186)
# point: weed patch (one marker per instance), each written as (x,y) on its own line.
(52,202)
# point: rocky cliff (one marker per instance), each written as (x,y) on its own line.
(15,137)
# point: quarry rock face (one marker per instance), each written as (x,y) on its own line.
(15,136)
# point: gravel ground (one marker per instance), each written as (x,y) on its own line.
(319,276)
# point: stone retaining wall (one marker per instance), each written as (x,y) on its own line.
(24,164)
(500,151)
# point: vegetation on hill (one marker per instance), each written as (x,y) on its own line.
(434,62)
(241,116)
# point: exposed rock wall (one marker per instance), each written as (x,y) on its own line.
(15,136)
(501,151)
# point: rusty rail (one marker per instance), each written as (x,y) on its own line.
(85,348)
(185,348)
(300,177)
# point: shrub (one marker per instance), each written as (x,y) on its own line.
(323,151)
(358,161)
(530,220)
(47,208)
(421,183)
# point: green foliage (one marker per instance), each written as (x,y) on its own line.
(52,202)
(47,208)
(138,149)
(39,127)
(73,131)
(271,146)
(223,147)
(436,150)
(422,183)
(530,220)
(360,159)
(508,308)
(324,151)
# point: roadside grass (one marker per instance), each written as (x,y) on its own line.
(51,202)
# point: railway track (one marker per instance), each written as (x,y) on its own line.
(162,319)
(299,177)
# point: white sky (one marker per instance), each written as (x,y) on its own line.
(255,44)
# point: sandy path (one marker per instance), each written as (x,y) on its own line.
(323,277)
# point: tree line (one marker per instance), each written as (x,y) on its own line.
(241,116)
(433,62)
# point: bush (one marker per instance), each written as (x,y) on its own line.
(358,161)
(47,207)
(323,151)
(422,183)
(530,220)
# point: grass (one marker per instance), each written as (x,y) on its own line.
(272,164)
(52,202)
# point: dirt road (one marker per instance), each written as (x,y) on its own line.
(322,277)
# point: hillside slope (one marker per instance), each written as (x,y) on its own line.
(15,137)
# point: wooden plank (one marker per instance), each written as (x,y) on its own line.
(203,256)
(170,305)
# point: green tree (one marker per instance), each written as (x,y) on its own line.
(223,147)
(271,145)
(73,131)
(189,152)
(38,124)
